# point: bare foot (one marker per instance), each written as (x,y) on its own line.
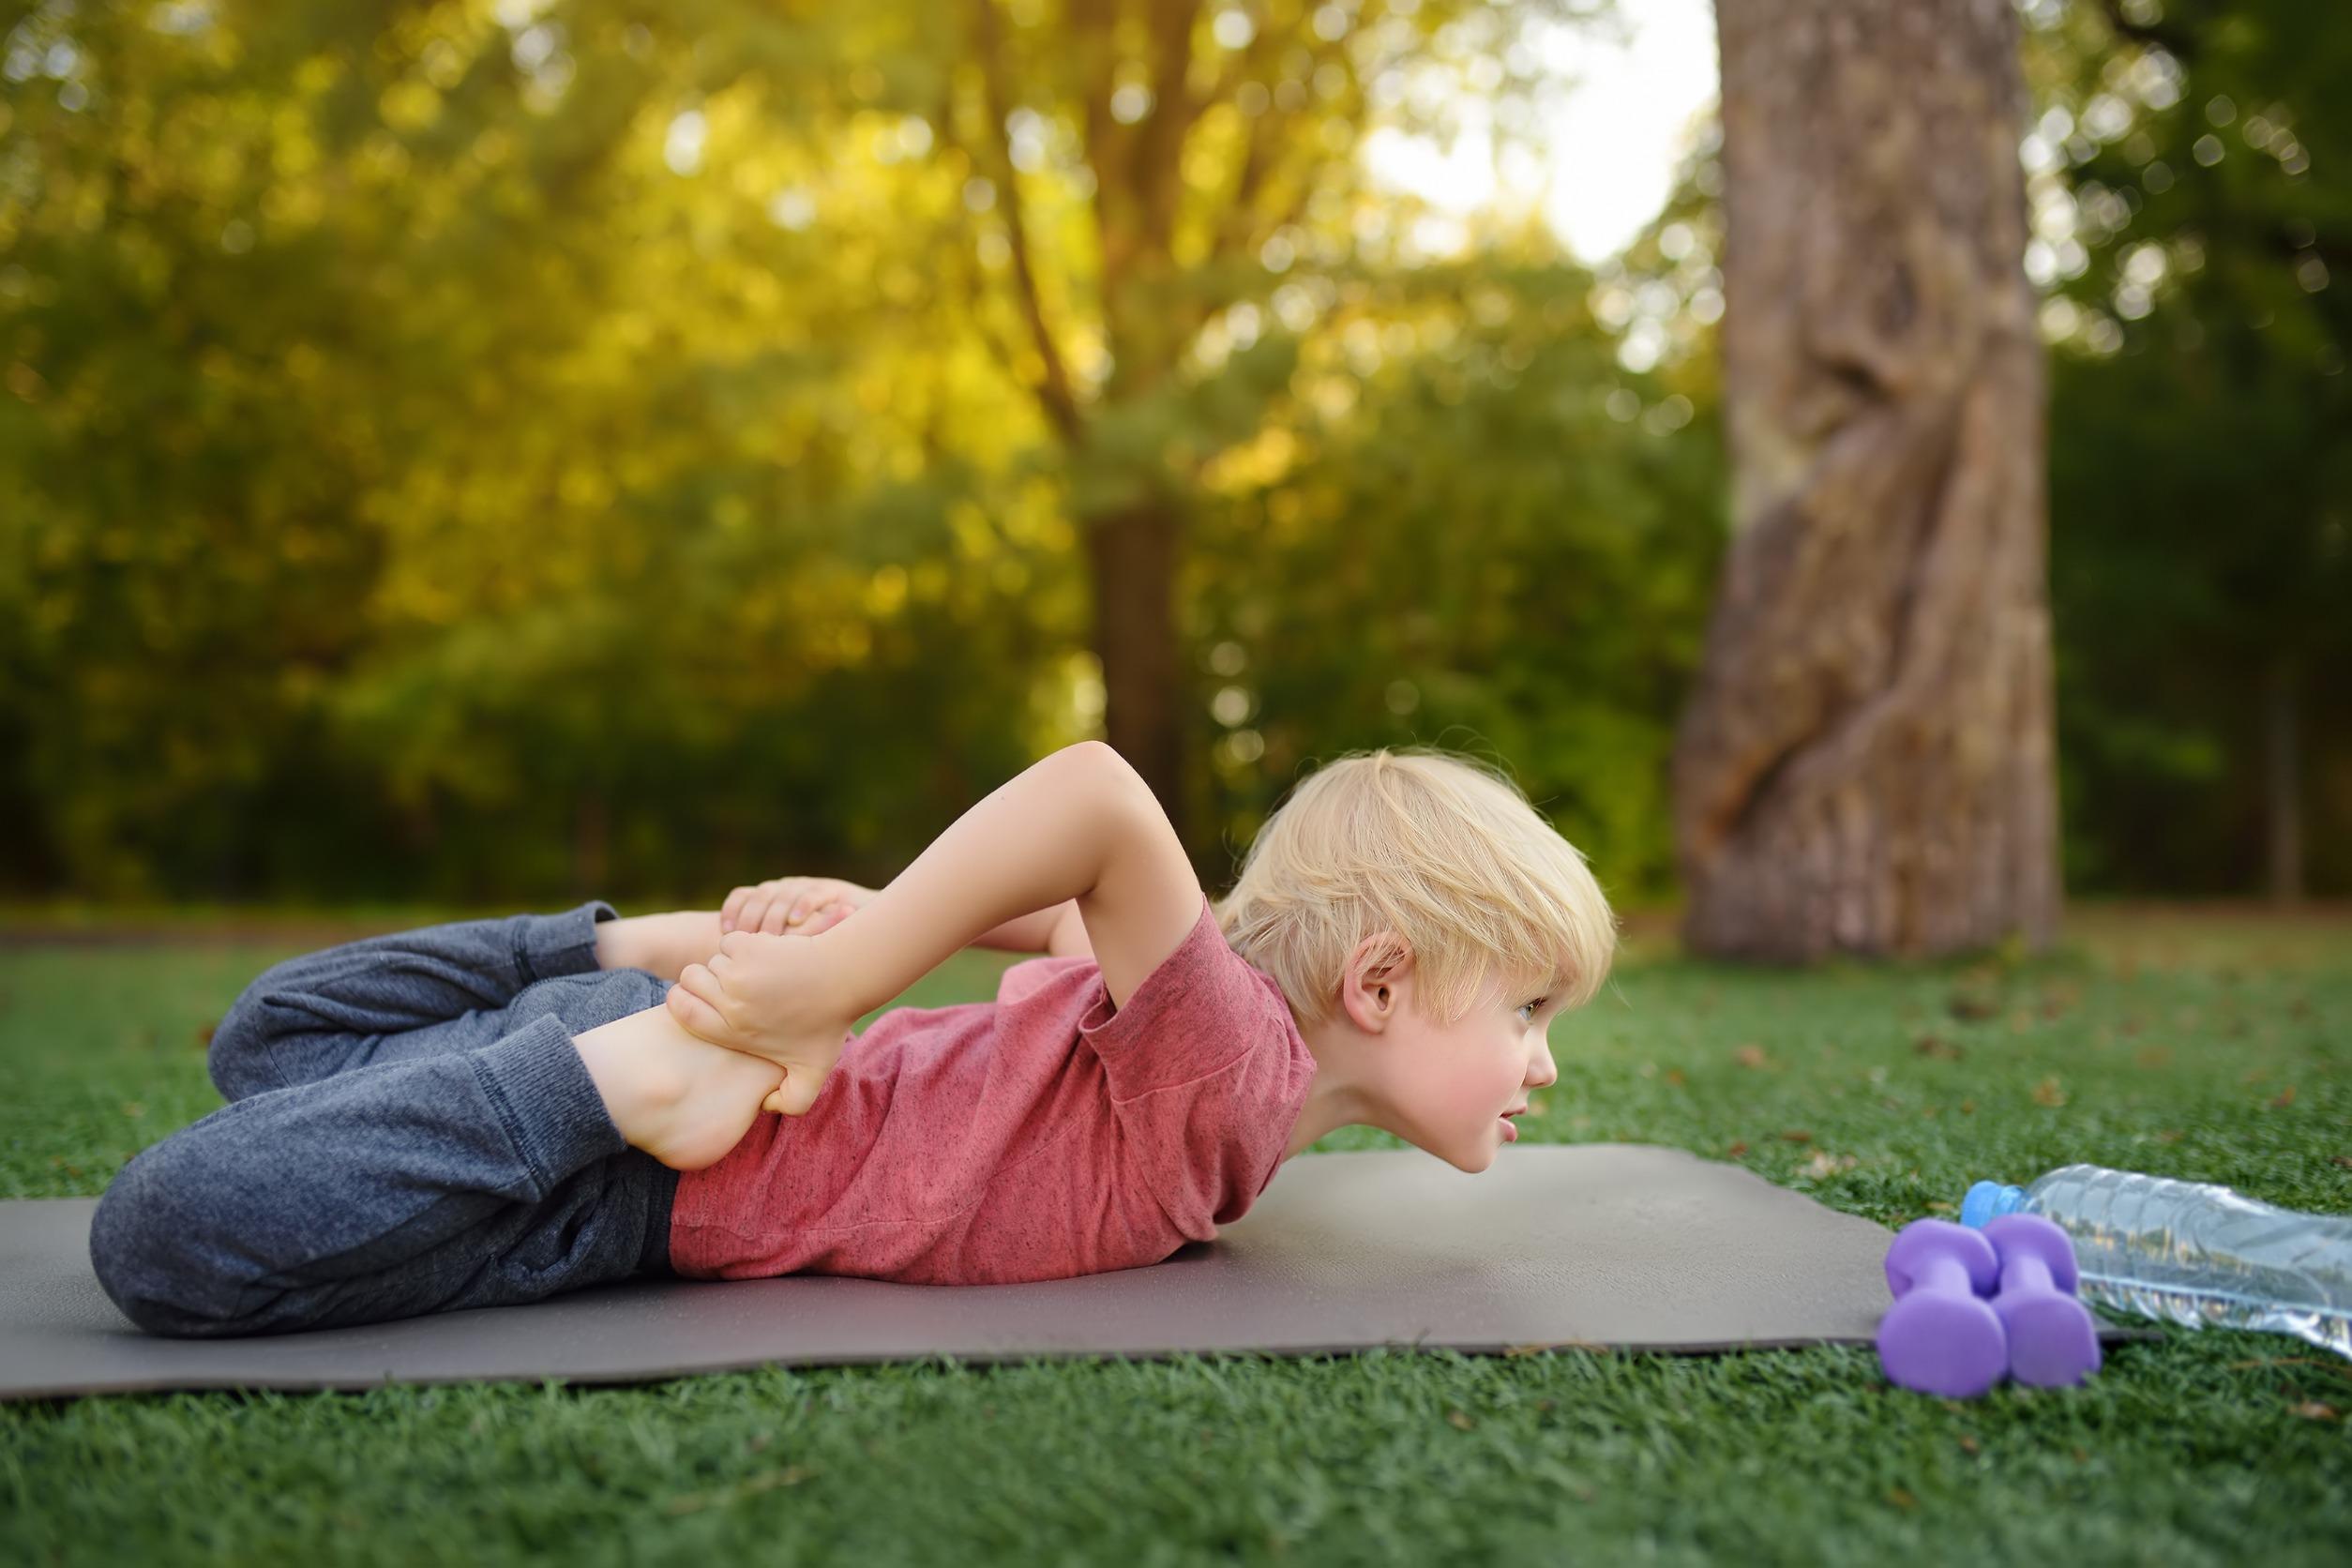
(683,1100)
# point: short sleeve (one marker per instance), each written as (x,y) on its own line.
(1206,1073)
(1198,1012)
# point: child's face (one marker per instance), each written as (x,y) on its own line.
(1451,1084)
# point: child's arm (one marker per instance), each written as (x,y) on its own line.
(1144,903)
(663,944)
(1067,940)
(1027,933)
(1039,840)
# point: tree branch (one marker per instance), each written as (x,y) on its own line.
(1053,393)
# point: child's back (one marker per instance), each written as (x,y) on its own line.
(1037,1137)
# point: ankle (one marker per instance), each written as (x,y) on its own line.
(640,1086)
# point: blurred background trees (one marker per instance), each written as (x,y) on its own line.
(501,452)
(2191,175)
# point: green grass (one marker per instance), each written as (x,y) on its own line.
(2197,1044)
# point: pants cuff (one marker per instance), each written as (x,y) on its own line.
(550,1105)
(547,945)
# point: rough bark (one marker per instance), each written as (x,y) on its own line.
(1867,763)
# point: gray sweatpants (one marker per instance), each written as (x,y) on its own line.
(410,1130)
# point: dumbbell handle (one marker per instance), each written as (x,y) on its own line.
(2030,1275)
(1949,1275)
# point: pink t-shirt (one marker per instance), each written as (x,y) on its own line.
(1036,1136)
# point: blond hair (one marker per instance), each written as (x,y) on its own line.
(1439,849)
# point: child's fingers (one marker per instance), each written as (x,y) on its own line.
(703,983)
(694,1015)
(797,1093)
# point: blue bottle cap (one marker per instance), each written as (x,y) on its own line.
(1989,1200)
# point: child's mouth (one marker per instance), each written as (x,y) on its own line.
(1510,1132)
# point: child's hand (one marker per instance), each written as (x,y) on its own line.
(792,906)
(771,997)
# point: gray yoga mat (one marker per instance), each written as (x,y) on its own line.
(1608,1244)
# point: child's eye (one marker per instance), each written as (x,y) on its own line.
(1533,1006)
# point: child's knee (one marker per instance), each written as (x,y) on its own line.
(149,1256)
(237,1056)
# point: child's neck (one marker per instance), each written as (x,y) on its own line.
(1337,1099)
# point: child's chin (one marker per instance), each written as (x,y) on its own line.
(1478,1159)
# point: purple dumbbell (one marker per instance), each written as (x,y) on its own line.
(2052,1338)
(1941,1336)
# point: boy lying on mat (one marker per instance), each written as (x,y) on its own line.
(494,1112)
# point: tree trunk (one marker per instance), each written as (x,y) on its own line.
(2283,826)
(1131,556)
(1867,763)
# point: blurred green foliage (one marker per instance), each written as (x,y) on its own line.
(511,451)
(2192,199)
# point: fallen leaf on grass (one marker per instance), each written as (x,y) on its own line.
(1826,1164)
(1751,1055)
(790,1476)
(2284,1098)
(1970,1008)
(2047,1092)
(1934,1045)
(2344,1160)
(1740,1146)
(2312,1409)
(1796,1135)
(1901,1499)
(1461,1423)
(2335,1367)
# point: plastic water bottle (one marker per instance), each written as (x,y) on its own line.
(2192,1252)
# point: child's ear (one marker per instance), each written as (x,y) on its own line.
(1370,992)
